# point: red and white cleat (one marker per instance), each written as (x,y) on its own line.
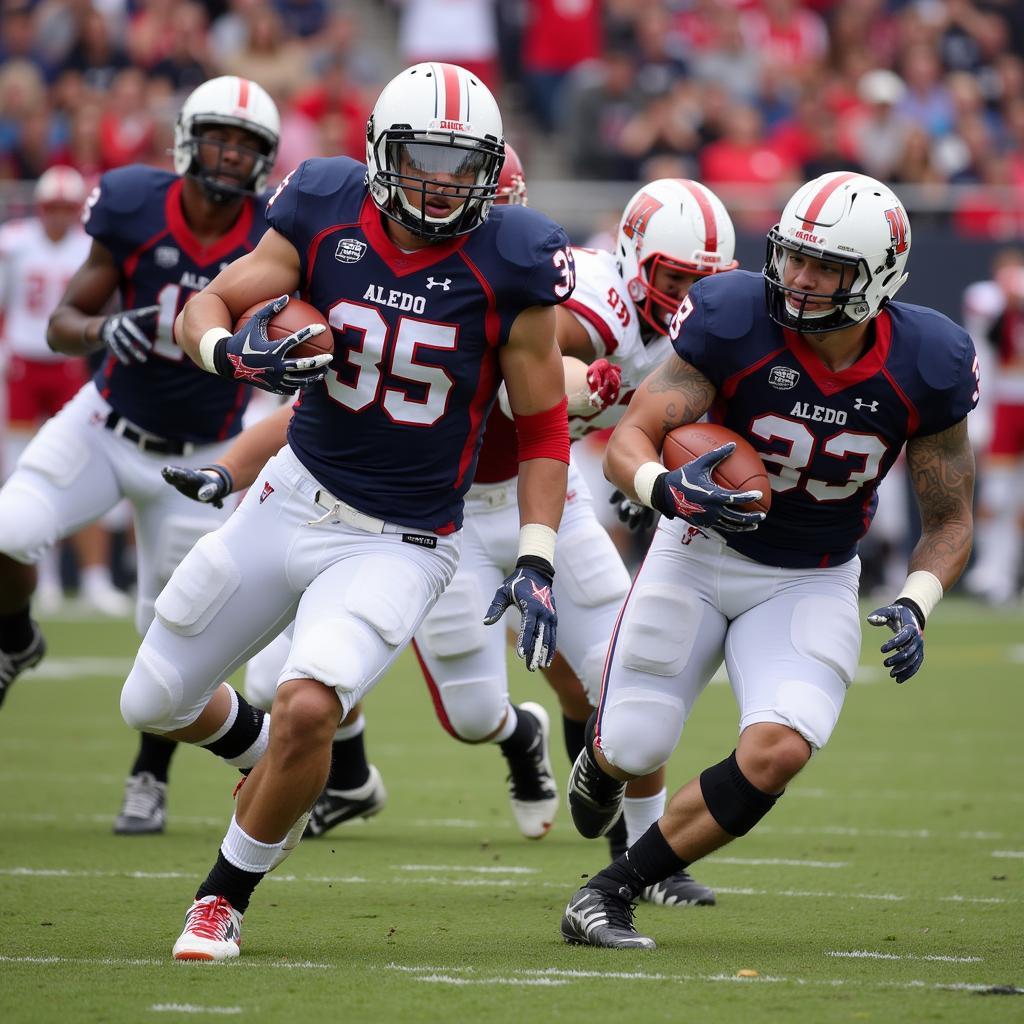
(213,931)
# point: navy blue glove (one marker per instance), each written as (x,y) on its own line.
(906,620)
(250,356)
(637,516)
(131,334)
(211,484)
(690,492)
(529,589)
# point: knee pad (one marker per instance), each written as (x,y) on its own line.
(588,567)
(151,694)
(733,800)
(639,729)
(198,588)
(454,626)
(390,611)
(475,708)
(658,629)
(29,523)
(56,454)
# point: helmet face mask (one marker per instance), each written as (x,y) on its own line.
(430,167)
(844,220)
(676,225)
(232,105)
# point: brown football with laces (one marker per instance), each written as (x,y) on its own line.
(296,315)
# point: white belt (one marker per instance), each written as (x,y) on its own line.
(493,496)
(339,511)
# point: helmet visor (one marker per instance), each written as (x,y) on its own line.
(429,159)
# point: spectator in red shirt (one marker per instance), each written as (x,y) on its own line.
(126,128)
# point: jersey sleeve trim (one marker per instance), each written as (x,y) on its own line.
(492,321)
(913,416)
(585,312)
(314,246)
(730,384)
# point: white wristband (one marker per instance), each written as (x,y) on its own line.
(207,344)
(643,481)
(537,540)
(924,589)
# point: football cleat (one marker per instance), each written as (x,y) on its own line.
(533,791)
(679,890)
(595,798)
(596,918)
(335,806)
(213,931)
(13,664)
(144,810)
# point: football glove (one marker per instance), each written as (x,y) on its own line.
(131,334)
(604,380)
(210,484)
(250,356)
(690,492)
(529,589)
(637,516)
(906,648)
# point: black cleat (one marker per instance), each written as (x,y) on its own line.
(595,799)
(532,789)
(13,664)
(679,890)
(144,810)
(596,918)
(335,806)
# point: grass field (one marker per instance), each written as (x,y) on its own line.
(888,884)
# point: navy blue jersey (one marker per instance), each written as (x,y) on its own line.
(826,438)
(136,214)
(395,428)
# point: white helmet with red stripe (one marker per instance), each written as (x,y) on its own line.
(229,102)
(512,180)
(60,186)
(435,125)
(849,220)
(677,223)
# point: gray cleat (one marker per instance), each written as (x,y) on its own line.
(596,918)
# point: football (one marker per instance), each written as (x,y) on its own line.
(741,471)
(296,315)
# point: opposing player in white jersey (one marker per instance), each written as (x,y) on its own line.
(38,256)
(672,233)
(828,378)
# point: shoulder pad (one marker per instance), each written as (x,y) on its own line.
(731,301)
(125,190)
(523,235)
(326,176)
(942,345)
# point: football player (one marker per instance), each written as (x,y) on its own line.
(157,239)
(353,529)
(828,379)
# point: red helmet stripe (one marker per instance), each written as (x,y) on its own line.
(452,93)
(811,216)
(243,93)
(710,224)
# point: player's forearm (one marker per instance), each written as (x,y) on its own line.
(943,551)
(541,491)
(255,446)
(202,313)
(628,448)
(72,332)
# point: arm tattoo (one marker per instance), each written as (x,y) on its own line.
(688,393)
(942,471)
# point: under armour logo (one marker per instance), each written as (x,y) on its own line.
(859,403)
(431,283)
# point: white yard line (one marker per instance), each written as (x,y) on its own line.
(45,961)
(81,668)
(193,1008)
(507,870)
(1008,853)
(867,954)
(778,862)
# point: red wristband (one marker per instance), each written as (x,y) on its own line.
(544,435)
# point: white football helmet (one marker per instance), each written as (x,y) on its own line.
(433,122)
(850,220)
(512,180)
(677,223)
(60,186)
(236,103)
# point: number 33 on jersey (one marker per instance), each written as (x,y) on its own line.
(416,340)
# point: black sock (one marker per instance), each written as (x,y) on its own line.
(522,736)
(154,756)
(575,737)
(349,767)
(618,838)
(650,859)
(234,884)
(16,631)
(244,731)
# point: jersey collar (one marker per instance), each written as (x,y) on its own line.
(402,263)
(237,235)
(832,381)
